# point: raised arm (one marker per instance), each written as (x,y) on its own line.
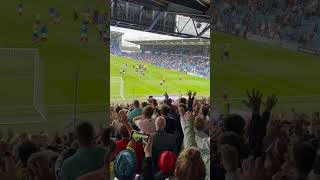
(186,119)
(147,171)
(124,120)
(254,130)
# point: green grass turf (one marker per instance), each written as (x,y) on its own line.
(62,56)
(291,75)
(143,86)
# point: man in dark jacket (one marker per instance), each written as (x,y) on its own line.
(162,141)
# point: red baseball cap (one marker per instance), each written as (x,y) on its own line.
(167,162)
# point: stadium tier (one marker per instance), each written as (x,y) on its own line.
(293,22)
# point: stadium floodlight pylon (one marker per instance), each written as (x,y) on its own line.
(22,84)
(117,87)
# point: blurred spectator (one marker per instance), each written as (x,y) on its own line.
(87,158)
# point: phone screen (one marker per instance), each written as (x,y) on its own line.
(139,137)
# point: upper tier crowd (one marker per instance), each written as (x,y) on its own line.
(296,21)
(199,65)
(196,63)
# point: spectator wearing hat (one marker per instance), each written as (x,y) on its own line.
(125,165)
(167,164)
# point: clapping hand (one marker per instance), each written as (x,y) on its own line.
(166,96)
(254,100)
(189,93)
(194,95)
(270,102)
(191,97)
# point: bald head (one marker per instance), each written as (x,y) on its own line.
(160,123)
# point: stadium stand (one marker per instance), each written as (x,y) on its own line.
(185,55)
(293,21)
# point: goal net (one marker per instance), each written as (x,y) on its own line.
(21,92)
(116,88)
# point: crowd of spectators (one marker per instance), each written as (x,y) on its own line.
(73,154)
(265,146)
(194,50)
(185,143)
(295,21)
(178,146)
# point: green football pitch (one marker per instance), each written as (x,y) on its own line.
(132,86)
(38,80)
(291,75)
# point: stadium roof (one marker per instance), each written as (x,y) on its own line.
(189,41)
(198,12)
(198,8)
(132,35)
